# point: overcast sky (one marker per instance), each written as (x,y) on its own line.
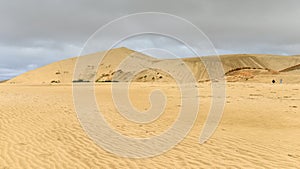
(34,33)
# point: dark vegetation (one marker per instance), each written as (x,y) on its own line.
(80,81)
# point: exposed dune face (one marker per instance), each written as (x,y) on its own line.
(119,65)
(154,75)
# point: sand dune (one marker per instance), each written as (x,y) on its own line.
(246,67)
(63,71)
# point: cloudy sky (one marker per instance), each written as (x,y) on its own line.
(34,33)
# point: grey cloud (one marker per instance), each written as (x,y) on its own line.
(8,73)
(40,32)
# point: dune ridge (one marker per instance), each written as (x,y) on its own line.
(237,67)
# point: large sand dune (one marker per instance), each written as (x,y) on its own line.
(238,67)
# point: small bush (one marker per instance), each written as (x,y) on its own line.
(55,81)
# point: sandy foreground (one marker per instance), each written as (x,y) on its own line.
(260,128)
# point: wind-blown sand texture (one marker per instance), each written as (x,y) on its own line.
(260,127)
